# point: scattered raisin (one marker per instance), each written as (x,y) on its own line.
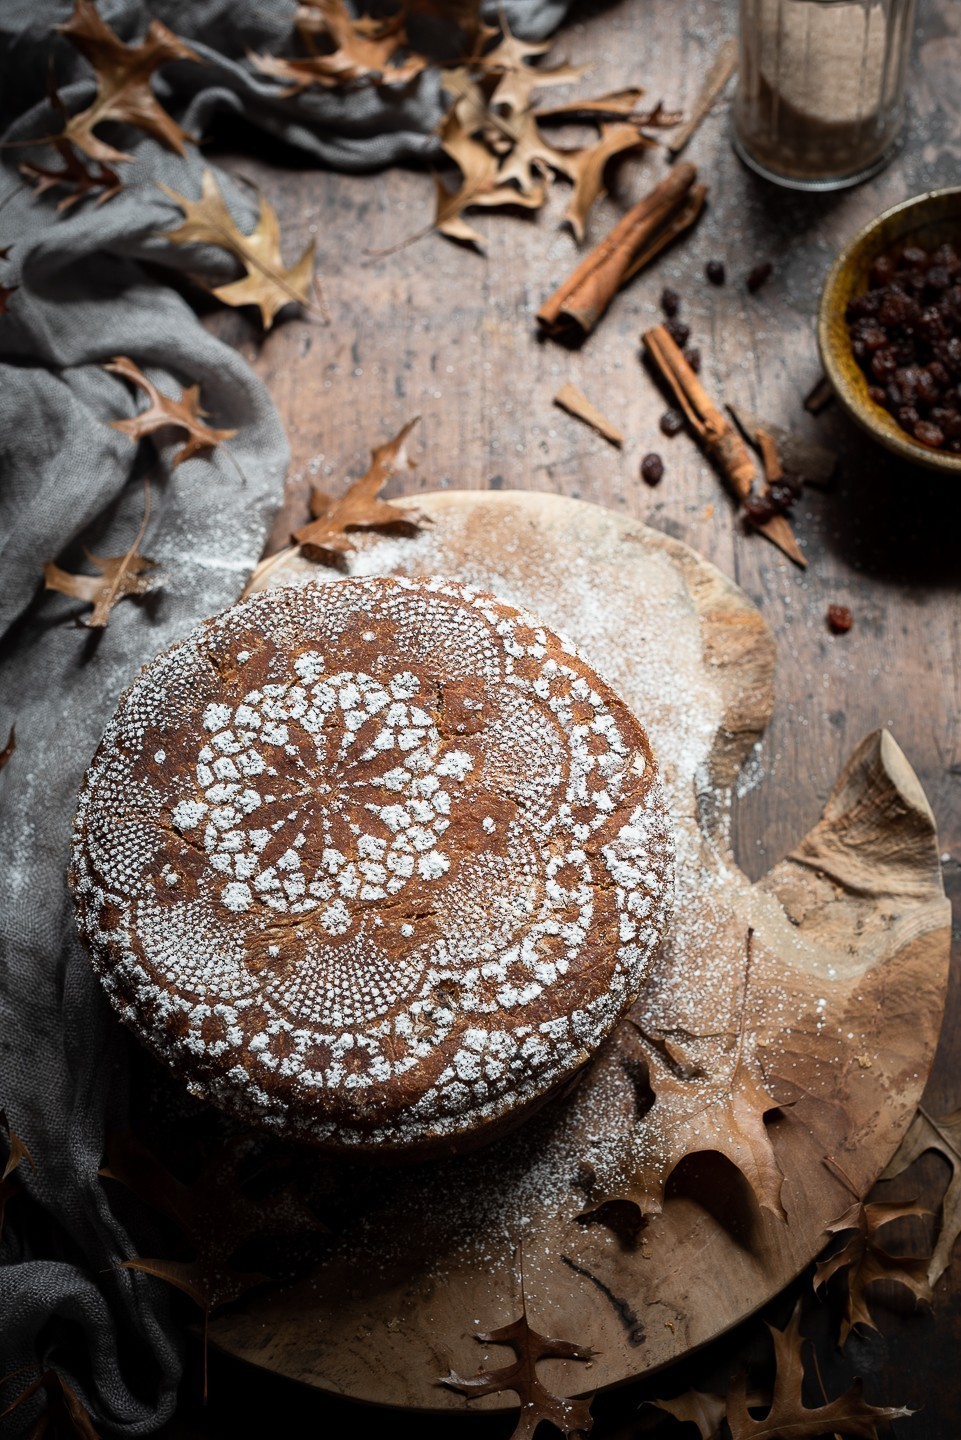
(839,619)
(693,357)
(652,469)
(759,276)
(782,496)
(670,302)
(671,422)
(760,508)
(715,272)
(678,331)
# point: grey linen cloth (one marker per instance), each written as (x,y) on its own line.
(83,296)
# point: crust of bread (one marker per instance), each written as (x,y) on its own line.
(377,864)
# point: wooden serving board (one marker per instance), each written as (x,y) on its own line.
(821,987)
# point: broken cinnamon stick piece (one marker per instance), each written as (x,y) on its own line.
(819,396)
(580,302)
(576,403)
(717,435)
(770,459)
(724,66)
(814,463)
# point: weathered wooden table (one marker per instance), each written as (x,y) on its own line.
(448,334)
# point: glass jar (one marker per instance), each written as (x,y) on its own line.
(820,98)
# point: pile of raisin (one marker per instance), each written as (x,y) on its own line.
(906,336)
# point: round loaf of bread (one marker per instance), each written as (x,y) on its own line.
(376,863)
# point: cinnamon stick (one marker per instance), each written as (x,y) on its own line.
(717,77)
(717,435)
(651,224)
(814,463)
(676,226)
(770,459)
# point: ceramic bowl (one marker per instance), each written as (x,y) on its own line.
(930,220)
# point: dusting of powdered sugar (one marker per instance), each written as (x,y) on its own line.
(645,640)
(628,607)
(374,862)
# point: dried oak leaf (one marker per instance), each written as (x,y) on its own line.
(700,1408)
(17,1152)
(615,105)
(359,507)
(941,1133)
(866,1261)
(693,1112)
(123,82)
(64,1416)
(481,187)
(268,283)
(120,576)
(517,80)
(165,412)
(493,135)
(586,168)
(78,178)
(531,158)
(570,1417)
(9,748)
(331,23)
(358,50)
(788,1418)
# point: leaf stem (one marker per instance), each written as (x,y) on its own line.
(122,568)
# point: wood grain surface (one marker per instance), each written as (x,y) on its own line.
(805,979)
(448,334)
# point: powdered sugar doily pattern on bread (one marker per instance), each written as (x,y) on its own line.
(376,863)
